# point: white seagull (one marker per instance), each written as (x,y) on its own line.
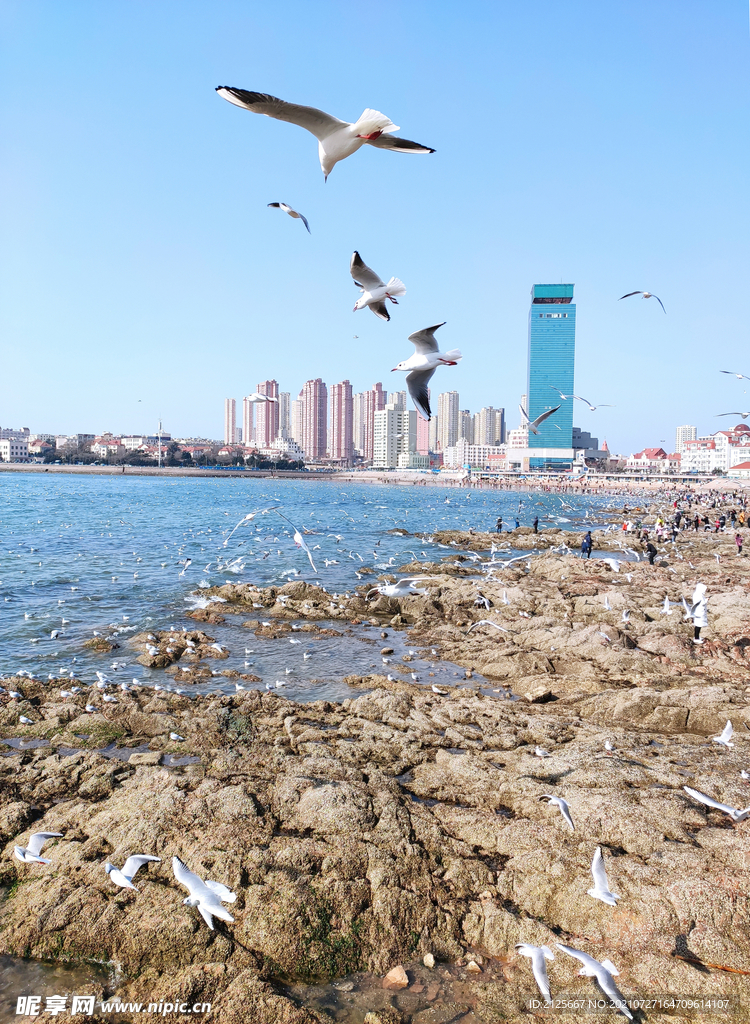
(592,408)
(402,588)
(420,367)
(725,736)
(336,139)
(739,376)
(733,813)
(206,896)
(603,972)
(563,805)
(646,295)
(30,854)
(600,890)
(486,622)
(374,291)
(124,877)
(538,954)
(744,415)
(292,213)
(533,424)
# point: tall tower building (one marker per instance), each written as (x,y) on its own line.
(552,342)
(489,426)
(267,416)
(398,398)
(248,421)
(296,417)
(447,419)
(341,422)
(432,432)
(285,423)
(395,434)
(466,426)
(230,420)
(683,434)
(366,404)
(423,435)
(314,397)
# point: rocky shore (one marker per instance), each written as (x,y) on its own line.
(404,823)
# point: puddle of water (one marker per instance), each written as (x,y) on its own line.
(112,751)
(446,993)
(19,977)
(19,743)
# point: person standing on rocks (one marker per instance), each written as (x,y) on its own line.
(535,524)
(586,545)
(699,611)
(738,542)
(499,524)
(651,552)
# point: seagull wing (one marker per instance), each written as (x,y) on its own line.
(524,414)
(659,301)
(565,811)
(424,340)
(393,142)
(313,120)
(225,895)
(192,882)
(598,871)
(629,294)
(380,310)
(417,382)
(363,275)
(133,864)
(539,970)
(545,415)
(708,801)
(726,733)
(38,840)
(587,960)
(303,218)
(742,414)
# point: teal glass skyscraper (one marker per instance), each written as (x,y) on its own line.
(552,344)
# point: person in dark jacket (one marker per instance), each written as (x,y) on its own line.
(536,524)
(586,546)
(651,552)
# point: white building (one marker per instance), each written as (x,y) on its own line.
(683,434)
(518,438)
(248,421)
(230,420)
(718,452)
(395,435)
(447,419)
(475,455)
(134,441)
(13,449)
(413,460)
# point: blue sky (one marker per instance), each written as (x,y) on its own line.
(143,275)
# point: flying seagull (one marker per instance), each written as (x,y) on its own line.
(538,954)
(421,366)
(725,736)
(744,415)
(249,518)
(336,139)
(30,854)
(733,813)
(646,295)
(292,213)
(402,588)
(739,376)
(603,972)
(124,877)
(374,291)
(563,805)
(600,890)
(533,424)
(255,397)
(206,896)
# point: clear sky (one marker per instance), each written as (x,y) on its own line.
(143,275)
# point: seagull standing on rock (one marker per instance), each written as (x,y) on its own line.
(374,291)
(421,366)
(336,139)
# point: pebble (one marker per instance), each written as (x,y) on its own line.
(428,960)
(396,978)
(387,650)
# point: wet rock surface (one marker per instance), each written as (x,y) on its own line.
(361,837)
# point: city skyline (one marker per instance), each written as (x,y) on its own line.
(125,266)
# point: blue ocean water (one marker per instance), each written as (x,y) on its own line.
(90,554)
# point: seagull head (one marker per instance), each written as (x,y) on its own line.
(401,366)
(191,901)
(109,867)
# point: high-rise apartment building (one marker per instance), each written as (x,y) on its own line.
(432,433)
(314,396)
(423,434)
(552,338)
(230,420)
(683,434)
(296,417)
(248,421)
(489,426)
(366,404)
(395,435)
(267,415)
(465,426)
(398,398)
(447,419)
(285,422)
(341,422)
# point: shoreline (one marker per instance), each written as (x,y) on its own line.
(550,484)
